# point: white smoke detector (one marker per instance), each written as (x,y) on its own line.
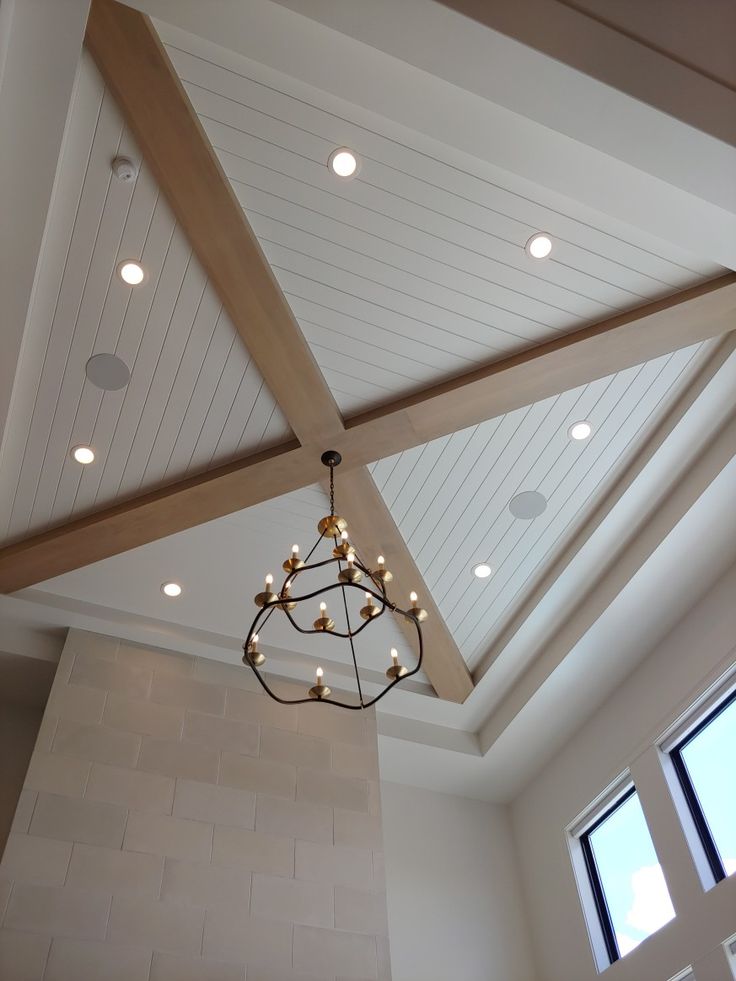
(124,169)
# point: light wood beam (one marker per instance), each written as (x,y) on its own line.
(137,69)
(371,521)
(704,312)
(155,515)
(648,332)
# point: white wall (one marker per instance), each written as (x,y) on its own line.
(454,904)
(18,730)
(622,734)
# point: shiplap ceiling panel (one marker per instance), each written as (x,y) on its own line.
(414,270)
(194,399)
(450,497)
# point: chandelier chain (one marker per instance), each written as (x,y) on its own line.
(350,638)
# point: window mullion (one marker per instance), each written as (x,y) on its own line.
(668,836)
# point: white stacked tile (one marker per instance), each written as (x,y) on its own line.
(176,823)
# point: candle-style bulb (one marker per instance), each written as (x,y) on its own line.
(320,689)
(294,551)
(254,642)
(369,599)
(344,536)
(269,581)
(380,561)
(394,656)
(413,597)
(351,559)
(322,608)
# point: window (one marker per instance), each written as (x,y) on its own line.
(704,762)
(629,890)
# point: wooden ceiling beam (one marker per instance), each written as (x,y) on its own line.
(164,511)
(696,315)
(136,68)
(371,521)
(693,316)
(647,332)
(133,62)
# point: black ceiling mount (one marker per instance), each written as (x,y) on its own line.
(331,458)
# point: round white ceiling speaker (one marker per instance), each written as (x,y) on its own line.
(124,169)
(108,372)
(528,505)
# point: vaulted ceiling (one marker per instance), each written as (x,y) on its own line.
(439,353)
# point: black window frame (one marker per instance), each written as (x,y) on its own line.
(690,794)
(594,878)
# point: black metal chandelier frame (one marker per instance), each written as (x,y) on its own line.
(355,569)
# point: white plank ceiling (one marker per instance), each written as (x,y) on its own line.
(415,270)
(410,273)
(450,497)
(194,399)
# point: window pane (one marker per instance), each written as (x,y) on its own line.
(630,875)
(710,759)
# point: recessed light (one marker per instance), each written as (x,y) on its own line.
(131,272)
(539,246)
(580,430)
(482,571)
(528,505)
(171,589)
(343,162)
(83,454)
(108,372)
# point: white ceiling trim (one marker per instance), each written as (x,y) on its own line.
(61,612)
(571,36)
(646,535)
(656,195)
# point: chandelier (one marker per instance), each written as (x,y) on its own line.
(354,586)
